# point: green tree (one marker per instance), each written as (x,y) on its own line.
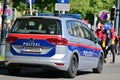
(86,8)
(41,5)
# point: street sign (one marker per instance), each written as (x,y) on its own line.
(103,15)
(62,7)
(28,1)
(63,1)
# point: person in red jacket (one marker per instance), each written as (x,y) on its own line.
(116,45)
(103,43)
(99,32)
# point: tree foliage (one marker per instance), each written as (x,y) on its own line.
(41,5)
(86,8)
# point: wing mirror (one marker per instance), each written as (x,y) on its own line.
(97,40)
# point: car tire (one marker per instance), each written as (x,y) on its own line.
(99,65)
(72,70)
(13,71)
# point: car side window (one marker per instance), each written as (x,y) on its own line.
(78,29)
(69,28)
(87,32)
(74,29)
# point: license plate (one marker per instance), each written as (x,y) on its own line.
(31,49)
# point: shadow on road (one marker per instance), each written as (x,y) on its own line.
(41,74)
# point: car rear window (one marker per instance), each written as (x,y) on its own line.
(37,26)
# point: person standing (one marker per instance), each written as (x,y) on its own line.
(101,34)
(112,44)
(116,44)
(103,43)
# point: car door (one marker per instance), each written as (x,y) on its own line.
(91,53)
(78,38)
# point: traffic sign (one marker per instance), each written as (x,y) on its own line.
(63,1)
(62,7)
(103,15)
(28,1)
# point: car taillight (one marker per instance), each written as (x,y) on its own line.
(59,64)
(58,41)
(10,39)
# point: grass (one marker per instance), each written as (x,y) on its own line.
(1,58)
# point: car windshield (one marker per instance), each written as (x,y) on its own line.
(37,26)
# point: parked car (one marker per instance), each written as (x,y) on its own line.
(52,42)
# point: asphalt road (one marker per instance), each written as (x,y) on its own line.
(110,72)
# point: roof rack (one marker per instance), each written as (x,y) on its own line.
(77,16)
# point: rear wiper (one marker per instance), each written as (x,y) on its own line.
(37,32)
(34,32)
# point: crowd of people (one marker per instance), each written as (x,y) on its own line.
(108,40)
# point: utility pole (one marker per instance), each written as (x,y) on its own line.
(3,31)
(95,21)
(30,1)
(117,16)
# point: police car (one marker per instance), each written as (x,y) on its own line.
(52,42)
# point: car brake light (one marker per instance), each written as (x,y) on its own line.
(10,39)
(58,41)
(59,64)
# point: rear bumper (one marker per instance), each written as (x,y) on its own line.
(39,62)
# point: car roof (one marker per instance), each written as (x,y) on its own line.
(50,17)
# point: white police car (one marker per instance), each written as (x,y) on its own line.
(50,42)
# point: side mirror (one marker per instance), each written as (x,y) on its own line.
(97,40)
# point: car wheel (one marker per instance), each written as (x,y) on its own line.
(99,65)
(12,70)
(72,70)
